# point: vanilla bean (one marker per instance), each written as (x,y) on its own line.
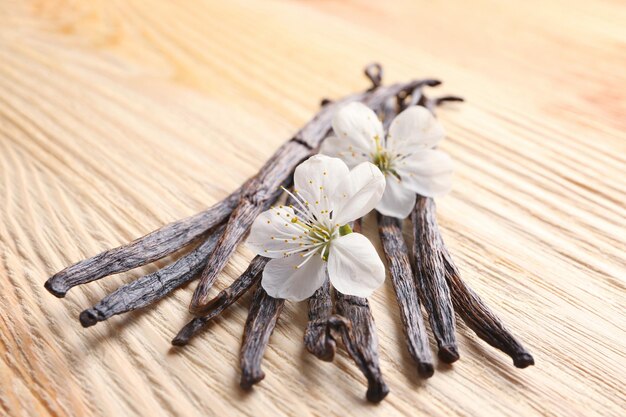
(143,250)
(397,254)
(152,287)
(415,96)
(317,336)
(374,72)
(359,337)
(437,101)
(262,316)
(430,276)
(223,300)
(274,173)
(432,103)
(479,317)
(362,342)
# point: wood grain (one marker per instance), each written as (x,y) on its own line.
(117,117)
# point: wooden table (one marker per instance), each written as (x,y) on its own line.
(117,117)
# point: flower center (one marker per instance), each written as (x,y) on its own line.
(320,236)
(381,157)
(382,160)
(316,226)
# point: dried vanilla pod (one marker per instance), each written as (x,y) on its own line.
(430,278)
(222,301)
(262,316)
(401,274)
(362,343)
(149,248)
(318,339)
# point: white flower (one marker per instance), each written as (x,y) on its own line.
(405,156)
(312,238)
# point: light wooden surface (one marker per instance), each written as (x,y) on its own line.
(119,116)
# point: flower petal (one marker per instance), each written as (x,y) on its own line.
(397,201)
(281,279)
(358,194)
(344,149)
(316,178)
(413,129)
(427,172)
(354,267)
(272,233)
(358,124)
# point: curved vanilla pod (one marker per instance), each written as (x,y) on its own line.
(229,295)
(223,300)
(479,317)
(142,251)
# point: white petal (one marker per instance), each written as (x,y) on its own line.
(413,129)
(316,179)
(427,172)
(281,279)
(358,194)
(343,149)
(354,267)
(358,124)
(397,201)
(272,233)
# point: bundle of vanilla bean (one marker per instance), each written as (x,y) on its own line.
(429,276)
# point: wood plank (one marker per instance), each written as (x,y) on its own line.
(119,116)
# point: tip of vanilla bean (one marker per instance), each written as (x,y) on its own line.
(180,340)
(442,99)
(187,332)
(328,355)
(377,392)
(431,82)
(322,349)
(448,354)
(56,288)
(183,336)
(88,318)
(318,340)
(523,360)
(249,379)
(425,369)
